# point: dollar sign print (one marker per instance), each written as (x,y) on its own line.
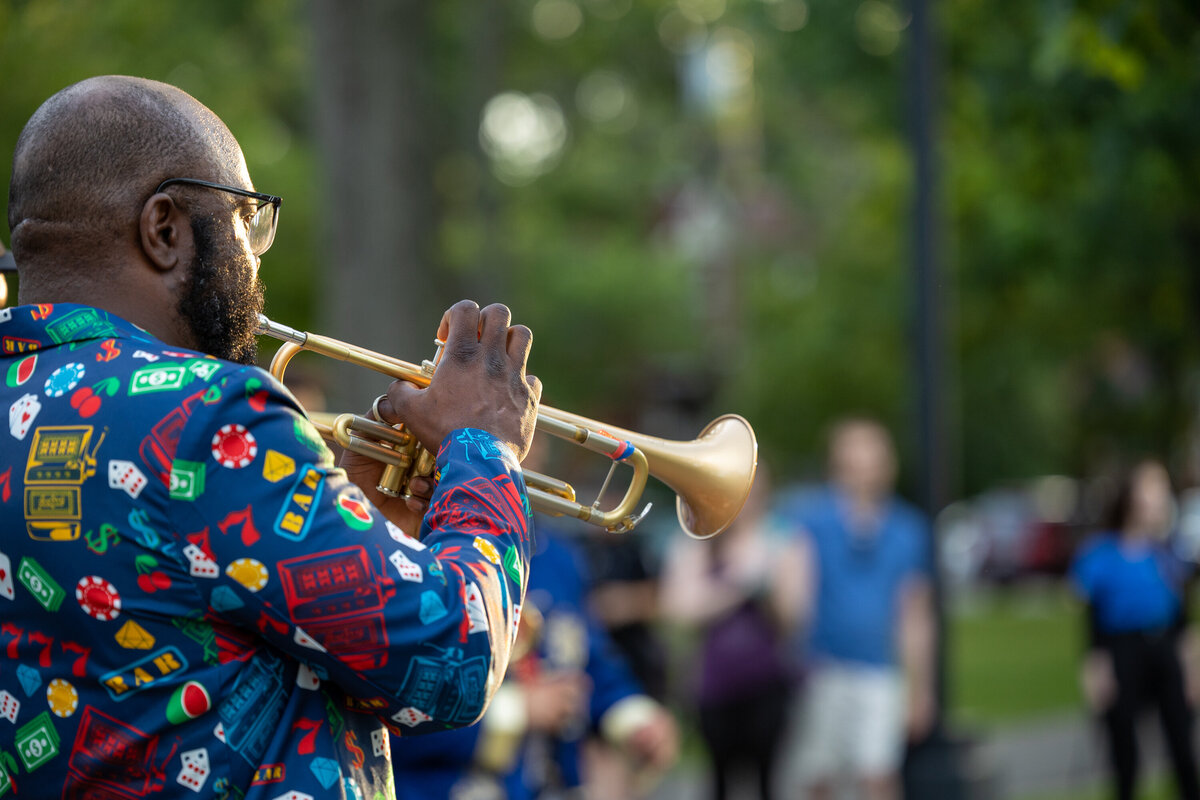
(355,750)
(139,519)
(100,544)
(111,351)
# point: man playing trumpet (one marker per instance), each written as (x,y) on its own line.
(194,599)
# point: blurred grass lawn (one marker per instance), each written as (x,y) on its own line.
(1012,655)
(1154,787)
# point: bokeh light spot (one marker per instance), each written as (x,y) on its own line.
(702,11)
(523,135)
(787,15)
(878,26)
(605,99)
(556,19)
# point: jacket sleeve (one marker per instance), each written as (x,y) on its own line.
(284,548)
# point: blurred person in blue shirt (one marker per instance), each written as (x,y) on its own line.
(1133,584)
(573,684)
(866,613)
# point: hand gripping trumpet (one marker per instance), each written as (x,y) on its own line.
(710,475)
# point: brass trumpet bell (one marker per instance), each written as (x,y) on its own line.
(710,475)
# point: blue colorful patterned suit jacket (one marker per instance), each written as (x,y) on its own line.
(195,603)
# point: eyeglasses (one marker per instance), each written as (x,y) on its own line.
(260,225)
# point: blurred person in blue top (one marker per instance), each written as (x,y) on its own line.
(572,684)
(1134,587)
(867,618)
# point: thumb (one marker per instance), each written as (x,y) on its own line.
(396,406)
(407,403)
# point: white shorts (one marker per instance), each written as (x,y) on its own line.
(850,719)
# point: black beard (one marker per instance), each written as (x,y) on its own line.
(222,300)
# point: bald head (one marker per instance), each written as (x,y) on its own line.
(93,153)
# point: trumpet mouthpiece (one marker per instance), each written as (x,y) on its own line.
(268,327)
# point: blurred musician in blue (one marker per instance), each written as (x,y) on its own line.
(573,683)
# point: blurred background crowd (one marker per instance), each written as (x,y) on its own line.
(946,247)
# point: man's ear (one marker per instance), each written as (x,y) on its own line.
(165,231)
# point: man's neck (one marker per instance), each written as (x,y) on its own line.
(151,314)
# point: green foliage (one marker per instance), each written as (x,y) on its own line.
(752,252)
(1072,203)
(246,61)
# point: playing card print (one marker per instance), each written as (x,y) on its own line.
(21,415)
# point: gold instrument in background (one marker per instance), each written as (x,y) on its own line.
(710,475)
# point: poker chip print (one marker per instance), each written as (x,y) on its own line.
(234,446)
(62,698)
(64,379)
(98,598)
(248,572)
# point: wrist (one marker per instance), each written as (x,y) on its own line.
(475,444)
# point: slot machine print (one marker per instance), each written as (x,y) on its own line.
(111,756)
(250,711)
(336,596)
(158,448)
(58,464)
(82,323)
(443,685)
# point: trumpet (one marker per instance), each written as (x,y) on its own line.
(710,475)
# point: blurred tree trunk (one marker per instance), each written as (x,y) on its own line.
(488,279)
(376,128)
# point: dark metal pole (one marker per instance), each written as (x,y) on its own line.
(929,340)
(935,770)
